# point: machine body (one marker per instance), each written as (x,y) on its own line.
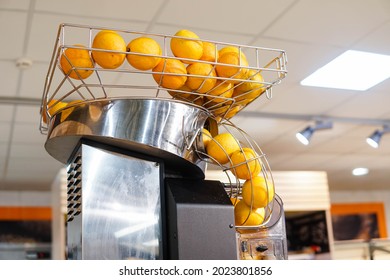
(123,205)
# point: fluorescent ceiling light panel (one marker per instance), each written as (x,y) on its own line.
(353,70)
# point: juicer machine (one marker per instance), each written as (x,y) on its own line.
(136,165)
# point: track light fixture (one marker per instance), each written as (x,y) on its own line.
(374,139)
(323,122)
(305,135)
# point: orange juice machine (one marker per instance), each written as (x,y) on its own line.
(136,161)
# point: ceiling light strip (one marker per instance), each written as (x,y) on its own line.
(314,118)
(13,100)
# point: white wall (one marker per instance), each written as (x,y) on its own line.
(25,198)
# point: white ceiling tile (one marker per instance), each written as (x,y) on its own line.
(317,21)
(11,4)
(5,129)
(265,130)
(249,17)
(258,103)
(36,151)
(302,100)
(211,35)
(302,58)
(28,114)
(383,86)
(12,30)
(285,143)
(9,78)
(6,112)
(32,165)
(2,174)
(3,152)
(378,41)
(363,105)
(21,169)
(118,10)
(45,28)
(338,145)
(33,80)
(27,133)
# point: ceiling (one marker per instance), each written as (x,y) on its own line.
(311,32)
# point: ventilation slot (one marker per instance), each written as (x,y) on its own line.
(74,188)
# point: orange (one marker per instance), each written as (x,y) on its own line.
(243,216)
(257,192)
(198,101)
(144,45)
(234,68)
(235,49)
(210,52)
(234,200)
(72,59)
(233,111)
(186,48)
(202,77)
(53,106)
(170,73)
(109,40)
(251,89)
(224,89)
(218,111)
(245,163)
(222,146)
(225,111)
(217,108)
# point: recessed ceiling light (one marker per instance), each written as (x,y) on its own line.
(353,70)
(360,171)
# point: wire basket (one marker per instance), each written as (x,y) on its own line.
(62,87)
(250,183)
(258,69)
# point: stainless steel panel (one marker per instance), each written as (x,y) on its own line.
(162,128)
(74,238)
(120,208)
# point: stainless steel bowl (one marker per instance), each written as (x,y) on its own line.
(162,128)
